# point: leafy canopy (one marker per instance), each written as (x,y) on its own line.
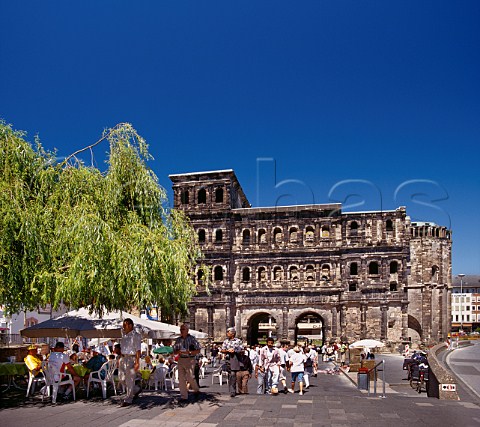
(74,235)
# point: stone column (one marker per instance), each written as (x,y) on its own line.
(284,334)
(334,323)
(210,309)
(363,321)
(405,322)
(343,321)
(384,324)
(192,316)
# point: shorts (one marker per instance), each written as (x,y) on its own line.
(297,376)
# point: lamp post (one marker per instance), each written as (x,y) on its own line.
(461,304)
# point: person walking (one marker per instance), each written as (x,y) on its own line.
(308,365)
(130,361)
(186,347)
(297,368)
(245,372)
(232,347)
(270,362)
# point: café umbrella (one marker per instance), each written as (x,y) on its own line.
(90,325)
(367,343)
(166,349)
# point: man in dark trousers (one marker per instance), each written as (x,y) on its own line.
(232,347)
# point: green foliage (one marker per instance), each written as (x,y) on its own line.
(72,234)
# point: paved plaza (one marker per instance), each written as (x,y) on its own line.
(331,400)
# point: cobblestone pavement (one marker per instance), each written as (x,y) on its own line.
(331,400)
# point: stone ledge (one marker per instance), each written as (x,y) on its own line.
(440,375)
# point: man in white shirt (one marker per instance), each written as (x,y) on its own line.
(60,362)
(130,361)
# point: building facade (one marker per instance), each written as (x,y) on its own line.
(466,303)
(311,271)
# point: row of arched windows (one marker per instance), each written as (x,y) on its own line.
(277,234)
(354,227)
(202,196)
(293,272)
(373,268)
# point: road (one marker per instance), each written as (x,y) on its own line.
(465,364)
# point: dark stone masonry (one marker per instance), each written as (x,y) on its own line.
(311,270)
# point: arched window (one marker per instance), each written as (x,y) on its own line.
(200,276)
(310,273)
(246,237)
(184,197)
(393,287)
(202,196)
(293,235)
(262,274)
(325,231)
(246,274)
(219,195)
(352,287)
(393,267)
(353,269)
(277,235)
(218,273)
(277,273)
(325,272)
(293,272)
(389,225)
(218,236)
(201,236)
(373,267)
(262,236)
(353,228)
(309,235)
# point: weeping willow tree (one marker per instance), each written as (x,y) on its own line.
(72,234)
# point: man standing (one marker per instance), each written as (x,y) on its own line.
(232,348)
(131,344)
(187,347)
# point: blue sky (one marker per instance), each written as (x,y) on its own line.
(375,103)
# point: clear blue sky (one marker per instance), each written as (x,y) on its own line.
(351,99)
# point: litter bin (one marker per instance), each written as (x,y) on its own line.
(362,379)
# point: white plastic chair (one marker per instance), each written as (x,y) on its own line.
(108,368)
(220,374)
(54,379)
(32,381)
(158,378)
(170,378)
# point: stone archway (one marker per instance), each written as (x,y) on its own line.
(260,326)
(414,324)
(310,328)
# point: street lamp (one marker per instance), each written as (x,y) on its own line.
(461,305)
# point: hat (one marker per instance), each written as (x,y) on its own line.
(232,329)
(296,349)
(32,347)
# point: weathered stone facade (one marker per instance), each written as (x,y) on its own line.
(362,275)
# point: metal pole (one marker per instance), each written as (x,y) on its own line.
(383,378)
(461,303)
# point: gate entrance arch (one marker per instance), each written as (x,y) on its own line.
(260,327)
(309,329)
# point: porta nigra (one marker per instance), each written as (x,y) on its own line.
(313,271)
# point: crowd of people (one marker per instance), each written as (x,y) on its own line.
(268,363)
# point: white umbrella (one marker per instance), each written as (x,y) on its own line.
(368,343)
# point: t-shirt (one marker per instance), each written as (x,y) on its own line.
(57,360)
(297,360)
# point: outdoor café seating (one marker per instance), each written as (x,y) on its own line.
(103,376)
(54,379)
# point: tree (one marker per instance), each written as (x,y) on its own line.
(72,234)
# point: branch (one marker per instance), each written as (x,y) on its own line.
(89,147)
